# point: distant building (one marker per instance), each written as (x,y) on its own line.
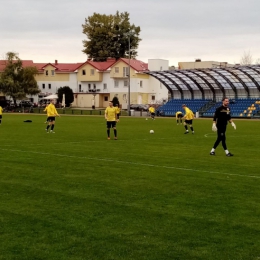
(95,83)
(199,64)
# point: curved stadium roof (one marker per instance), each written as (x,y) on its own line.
(222,78)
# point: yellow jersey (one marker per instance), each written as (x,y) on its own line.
(1,110)
(45,109)
(178,113)
(51,110)
(188,114)
(151,109)
(118,110)
(110,113)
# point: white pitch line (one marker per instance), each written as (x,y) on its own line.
(133,163)
(40,144)
(88,141)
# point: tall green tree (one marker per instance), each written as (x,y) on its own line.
(109,35)
(69,96)
(17,81)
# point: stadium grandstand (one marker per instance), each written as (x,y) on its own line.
(203,89)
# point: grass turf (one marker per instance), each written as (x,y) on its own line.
(76,195)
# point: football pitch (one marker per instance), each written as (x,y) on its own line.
(74,195)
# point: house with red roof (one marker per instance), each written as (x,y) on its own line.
(95,83)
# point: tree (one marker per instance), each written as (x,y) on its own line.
(16,81)
(246,59)
(108,36)
(69,96)
(115,101)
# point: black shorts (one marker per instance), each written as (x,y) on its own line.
(221,129)
(51,119)
(152,114)
(111,124)
(0,116)
(179,115)
(188,122)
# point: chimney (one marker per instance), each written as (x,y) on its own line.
(56,62)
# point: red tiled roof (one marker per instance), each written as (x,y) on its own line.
(60,67)
(26,63)
(100,65)
(72,67)
(136,64)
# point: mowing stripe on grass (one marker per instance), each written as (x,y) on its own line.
(131,163)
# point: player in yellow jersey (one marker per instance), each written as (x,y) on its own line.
(110,116)
(152,111)
(117,112)
(45,110)
(188,117)
(51,113)
(179,116)
(1,114)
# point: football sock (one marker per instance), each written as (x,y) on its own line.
(226,151)
(52,127)
(115,132)
(191,129)
(108,132)
(212,150)
(186,127)
(48,126)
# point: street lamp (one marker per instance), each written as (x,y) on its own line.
(129,86)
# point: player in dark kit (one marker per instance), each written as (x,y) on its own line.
(221,118)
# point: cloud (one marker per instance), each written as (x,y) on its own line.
(170,29)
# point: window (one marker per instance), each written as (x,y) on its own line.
(43,86)
(125,71)
(126,83)
(141,83)
(80,88)
(92,72)
(89,86)
(106,98)
(53,72)
(116,69)
(83,72)
(46,72)
(105,86)
(49,86)
(116,82)
(94,86)
(153,98)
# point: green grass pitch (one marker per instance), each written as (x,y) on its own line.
(75,195)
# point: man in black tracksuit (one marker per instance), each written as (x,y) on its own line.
(221,118)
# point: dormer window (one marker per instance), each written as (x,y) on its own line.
(83,72)
(53,72)
(46,72)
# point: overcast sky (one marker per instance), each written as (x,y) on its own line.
(175,30)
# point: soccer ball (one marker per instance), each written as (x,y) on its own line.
(151,132)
